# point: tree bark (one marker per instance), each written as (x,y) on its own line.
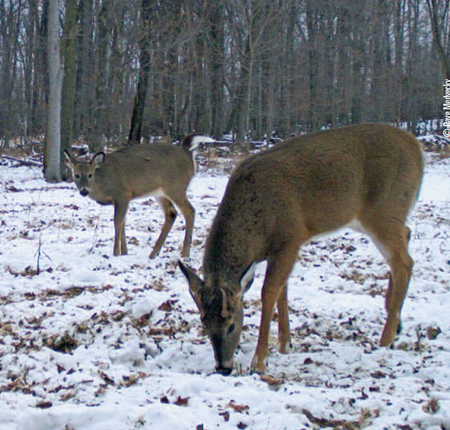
(437,37)
(69,54)
(217,62)
(135,134)
(52,171)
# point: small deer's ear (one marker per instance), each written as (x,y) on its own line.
(247,278)
(98,159)
(195,283)
(68,159)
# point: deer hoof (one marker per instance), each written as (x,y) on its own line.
(258,366)
(286,348)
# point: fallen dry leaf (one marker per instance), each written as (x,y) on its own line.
(271,381)
(181,401)
(238,408)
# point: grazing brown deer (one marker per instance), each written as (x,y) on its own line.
(364,176)
(160,170)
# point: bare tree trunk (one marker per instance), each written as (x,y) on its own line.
(40,77)
(52,171)
(217,63)
(399,34)
(433,10)
(135,134)
(411,81)
(244,94)
(69,54)
(85,96)
(359,58)
(30,53)
(312,17)
(10,15)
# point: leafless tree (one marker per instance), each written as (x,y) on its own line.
(52,171)
(140,68)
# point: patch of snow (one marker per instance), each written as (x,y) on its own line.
(96,342)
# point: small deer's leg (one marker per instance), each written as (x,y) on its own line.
(278,270)
(120,242)
(169,218)
(392,240)
(123,241)
(284,332)
(189,215)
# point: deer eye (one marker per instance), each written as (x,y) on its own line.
(90,175)
(77,176)
(231,328)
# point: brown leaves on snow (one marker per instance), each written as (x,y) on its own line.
(179,401)
(339,424)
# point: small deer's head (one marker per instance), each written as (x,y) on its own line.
(84,172)
(222,312)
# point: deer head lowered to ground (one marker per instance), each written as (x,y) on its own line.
(364,176)
(160,170)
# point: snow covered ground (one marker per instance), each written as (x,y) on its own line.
(96,342)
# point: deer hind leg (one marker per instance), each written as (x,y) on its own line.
(390,291)
(188,212)
(284,332)
(120,242)
(278,270)
(169,218)
(393,244)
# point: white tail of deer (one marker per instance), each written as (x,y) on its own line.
(160,170)
(366,176)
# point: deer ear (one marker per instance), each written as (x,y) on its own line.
(195,283)
(68,159)
(98,159)
(247,278)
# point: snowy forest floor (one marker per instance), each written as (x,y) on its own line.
(89,341)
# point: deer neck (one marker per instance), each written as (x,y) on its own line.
(227,256)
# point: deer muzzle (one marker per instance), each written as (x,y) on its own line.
(223,355)
(224,371)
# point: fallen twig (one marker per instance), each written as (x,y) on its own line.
(32,163)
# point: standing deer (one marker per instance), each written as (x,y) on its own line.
(160,170)
(365,176)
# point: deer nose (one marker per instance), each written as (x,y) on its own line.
(224,371)
(84,192)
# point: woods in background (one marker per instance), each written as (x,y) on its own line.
(133,69)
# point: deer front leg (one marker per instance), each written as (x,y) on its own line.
(123,241)
(120,242)
(259,362)
(277,273)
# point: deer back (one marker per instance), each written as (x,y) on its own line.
(142,170)
(311,185)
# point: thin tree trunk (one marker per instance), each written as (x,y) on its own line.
(217,62)
(52,171)
(40,77)
(311,22)
(69,54)
(437,37)
(135,134)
